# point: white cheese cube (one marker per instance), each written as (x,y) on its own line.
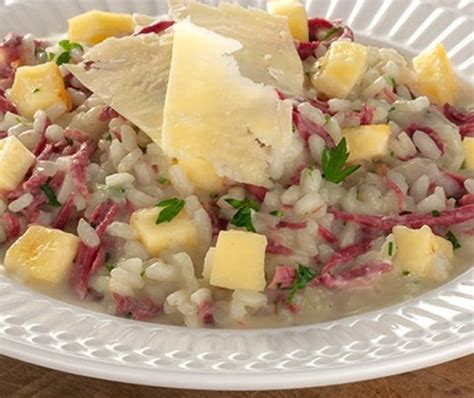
(42,254)
(296,14)
(435,76)
(178,234)
(238,261)
(468,145)
(39,87)
(341,68)
(423,253)
(366,142)
(201,173)
(15,161)
(95,26)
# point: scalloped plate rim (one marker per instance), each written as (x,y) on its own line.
(54,357)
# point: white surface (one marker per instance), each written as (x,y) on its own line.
(433,328)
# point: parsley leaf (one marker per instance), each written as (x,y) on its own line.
(171,208)
(435,213)
(330,32)
(48,191)
(67,45)
(304,275)
(406,273)
(36,90)
(63,58)
(162,180)
(391,109)
(392,82)
(390,248)
(333,161)
(327,119)
(243,217)
(277,213)
(454,241)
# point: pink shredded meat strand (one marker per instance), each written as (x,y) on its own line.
(78,169)
(83,266)
(283,278)
(99,260)
(307,128)
(467,130)
(206,313)
(386,223)
(412,128)
(467,199)
(108,114)
(346,255)
(275,248)
(296,177)
(398,192)
(391,96)
(366,114)
(157,27)
(292,225)
(77,135)
(138,309)
(258,192)
(456,116)
(64,214)
(12,225)
(356,275)
(327,235)
(306,49)
(5,105)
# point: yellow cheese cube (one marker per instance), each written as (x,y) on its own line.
(341,68)
(435,76)
(39,87)
(422,253)
(202,174)
(238,261)
(42,254)
(366,142)
(95,26)
(15,161)
(178,234)
(468,145)
(296,14)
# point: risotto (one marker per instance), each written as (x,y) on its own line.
(229,167)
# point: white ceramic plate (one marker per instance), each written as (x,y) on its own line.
(433,328)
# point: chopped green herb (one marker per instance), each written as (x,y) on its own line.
(36,90)
(109,266)
(108,137)
(406,273)
(327,119)
(454,241)
(163,180)
(358,194)
(392,154)
(333,161)
(463,165)
(51,56)
(435,213)
(63,58)
(107,255)
(391,109)
(392,82)
(18,120)
(67,45)
(356,110)
(243,217)
(390,248)
(304,275)
(48,191)
(330,32)
(277,213)
(171,208)
(142,274)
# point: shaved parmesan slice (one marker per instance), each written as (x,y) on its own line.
(130,75)
(213,112)
(268,53)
